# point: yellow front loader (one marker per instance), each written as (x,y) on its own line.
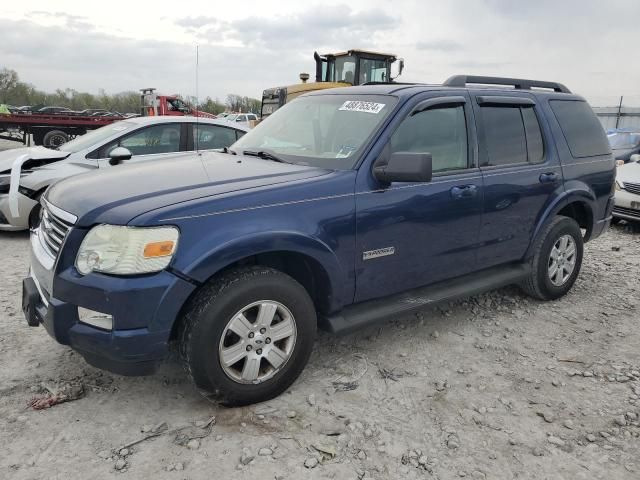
(345,69)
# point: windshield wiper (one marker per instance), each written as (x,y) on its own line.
(264,154)
(228,150)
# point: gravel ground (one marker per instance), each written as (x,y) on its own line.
(496,386)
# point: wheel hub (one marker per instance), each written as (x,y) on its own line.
(257,342)
(562,260)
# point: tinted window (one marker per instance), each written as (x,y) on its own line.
(504,135)
(207,137)
(581,128)
(163,138)
(442,132)
(535,145)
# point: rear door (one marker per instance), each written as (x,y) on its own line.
(521,173)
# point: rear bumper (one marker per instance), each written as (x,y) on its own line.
(601,226)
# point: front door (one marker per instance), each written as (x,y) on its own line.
(164,140)
(413,234)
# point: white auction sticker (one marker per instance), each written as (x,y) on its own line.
(360,106)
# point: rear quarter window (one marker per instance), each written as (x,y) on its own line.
(581,128)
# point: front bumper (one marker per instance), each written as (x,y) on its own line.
(144,309)
(627,206)
(9,222)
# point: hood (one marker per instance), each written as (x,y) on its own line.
(629,172)
(127,191)
(7,157)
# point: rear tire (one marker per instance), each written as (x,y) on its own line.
(556,261)
(234,302)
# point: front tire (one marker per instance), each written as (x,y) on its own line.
(556,260)
(247,335)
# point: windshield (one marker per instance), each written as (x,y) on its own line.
(328,131)
(624,140)
(231,117)
(95,137)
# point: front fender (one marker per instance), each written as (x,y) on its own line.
(209,263)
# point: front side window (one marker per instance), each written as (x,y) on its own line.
(152,140)
(328,131)
(95,137)
(372,71)
(442,132)
(512,135)
(208,137)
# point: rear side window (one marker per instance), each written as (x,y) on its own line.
(208,137)
(581,128)
(512,135)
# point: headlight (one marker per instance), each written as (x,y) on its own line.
(127,250)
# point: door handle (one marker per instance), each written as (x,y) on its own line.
(549,177)
(464,191)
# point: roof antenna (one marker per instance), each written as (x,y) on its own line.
(197,104)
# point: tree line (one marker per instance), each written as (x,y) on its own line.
(15,92)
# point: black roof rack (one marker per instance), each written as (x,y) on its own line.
(391,83)
(518,83)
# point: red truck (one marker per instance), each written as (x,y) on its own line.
(53,129)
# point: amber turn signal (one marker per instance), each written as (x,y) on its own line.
(158,249)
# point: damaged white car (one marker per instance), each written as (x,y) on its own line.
(25,173)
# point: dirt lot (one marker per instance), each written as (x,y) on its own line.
(497,386)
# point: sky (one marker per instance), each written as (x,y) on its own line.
(247,46)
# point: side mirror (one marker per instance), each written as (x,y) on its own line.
(400,66)
(635,158)
(238,119)
(405,167)
(119,154)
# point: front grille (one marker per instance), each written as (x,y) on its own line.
(627,211)
(632,187)
(53,228)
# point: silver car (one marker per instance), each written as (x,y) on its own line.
(627,201)
(25,173)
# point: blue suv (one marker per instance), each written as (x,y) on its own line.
(344,208)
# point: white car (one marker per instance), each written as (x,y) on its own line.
(627,201)
(242,119)
(25,173)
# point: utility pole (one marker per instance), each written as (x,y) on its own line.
(619,112)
